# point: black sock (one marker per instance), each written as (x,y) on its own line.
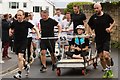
(19,72)
(25,66)
(34,49)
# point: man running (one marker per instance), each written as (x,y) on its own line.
(20,30)
(102,24)
(47,30)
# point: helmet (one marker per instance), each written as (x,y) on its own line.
(80,27)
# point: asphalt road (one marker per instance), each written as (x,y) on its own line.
(67,73)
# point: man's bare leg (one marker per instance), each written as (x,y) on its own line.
(102,60)
(43,60)
(107,58)
(43,57)
(53,58)
(21,61)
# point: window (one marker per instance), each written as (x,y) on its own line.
(47,8)
(24,5)
(40,8)
(14,5)
(37,9)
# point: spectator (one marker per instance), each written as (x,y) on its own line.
(5,36)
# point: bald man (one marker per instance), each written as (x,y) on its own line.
(102,24)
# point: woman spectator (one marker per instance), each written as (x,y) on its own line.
(5,36)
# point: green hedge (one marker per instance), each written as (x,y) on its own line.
(81,4)
(90,5)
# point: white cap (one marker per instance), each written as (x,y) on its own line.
(80,27)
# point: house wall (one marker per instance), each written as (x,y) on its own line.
(44,4)
(4,6)
(6,9)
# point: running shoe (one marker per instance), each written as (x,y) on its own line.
(105,74)
(17,76)
(27,69)
(110,74)
(43,69)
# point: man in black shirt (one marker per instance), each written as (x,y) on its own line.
(20,30)
(47,30)
(78,18)
(102,24)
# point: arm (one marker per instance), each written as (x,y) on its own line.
(85,23)
(110,28)
(85,49)
(37,32)
(11,31)
(59,30)
(77,48)
(90,31)
(72,47)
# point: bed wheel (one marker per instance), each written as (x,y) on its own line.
(83,71)
(58,71)
(95,65)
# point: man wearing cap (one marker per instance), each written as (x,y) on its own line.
(79,45)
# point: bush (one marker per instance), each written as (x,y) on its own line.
(81,4)
(90,6)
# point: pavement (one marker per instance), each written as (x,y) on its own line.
(9,64)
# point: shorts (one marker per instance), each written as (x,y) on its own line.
(20,47)
(105,46)
(34,40)
(48,44)
(70,54)
(70,43)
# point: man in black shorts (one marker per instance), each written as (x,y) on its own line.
(47,30)
(20,30)
(102,24)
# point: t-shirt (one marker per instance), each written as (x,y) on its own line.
(21,30)
(99,24)
(29,30)
(47,27)
(69,26)
(80,42)
(59,18)
(78,19)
